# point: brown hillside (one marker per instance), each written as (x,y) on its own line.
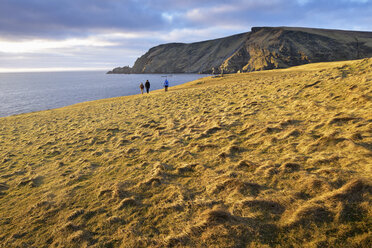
(265,159)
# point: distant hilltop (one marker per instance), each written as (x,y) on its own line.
(261,49)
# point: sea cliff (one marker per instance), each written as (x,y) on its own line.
(261,49)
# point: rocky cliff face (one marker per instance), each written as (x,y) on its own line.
(121,70)
(261,49)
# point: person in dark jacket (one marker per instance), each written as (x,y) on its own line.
(147,85)
(142,87)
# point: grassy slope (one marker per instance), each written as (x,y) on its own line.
(248,160)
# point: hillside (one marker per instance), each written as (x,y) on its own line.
(276,158)
(261,49)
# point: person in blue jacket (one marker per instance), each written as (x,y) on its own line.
(166,84)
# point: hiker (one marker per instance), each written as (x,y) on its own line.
(147,85)
(166,84)
(142,87)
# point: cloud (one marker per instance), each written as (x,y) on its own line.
(65,33)
(284,13)
(32,46)
(75,17)
(73,57)
(48,18)
(188,35)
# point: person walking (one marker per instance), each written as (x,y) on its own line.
(142,87)
(166,84)
(147,85)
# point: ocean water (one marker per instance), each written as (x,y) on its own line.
(34,91)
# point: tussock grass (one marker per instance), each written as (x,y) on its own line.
(265,159)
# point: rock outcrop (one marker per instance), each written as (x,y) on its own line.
(261,49)
(120,70)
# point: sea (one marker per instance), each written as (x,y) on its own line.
(34,91)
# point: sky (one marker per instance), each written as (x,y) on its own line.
(45,35)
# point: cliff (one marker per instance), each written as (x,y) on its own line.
(120,70)
(261,49)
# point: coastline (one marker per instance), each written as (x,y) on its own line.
(71,88)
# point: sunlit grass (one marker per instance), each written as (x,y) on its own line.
(264,159)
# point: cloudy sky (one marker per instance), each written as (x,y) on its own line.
(102,34)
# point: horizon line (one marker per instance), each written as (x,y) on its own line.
(51,69)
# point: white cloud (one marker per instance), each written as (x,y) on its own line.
(50,69)
(167,16)
(40,45)
(196,35)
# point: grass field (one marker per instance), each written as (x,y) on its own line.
(278,158)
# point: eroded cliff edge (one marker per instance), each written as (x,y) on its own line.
(261,49)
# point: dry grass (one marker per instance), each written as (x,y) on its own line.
(266,159)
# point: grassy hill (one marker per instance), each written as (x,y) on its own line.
(276,158)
